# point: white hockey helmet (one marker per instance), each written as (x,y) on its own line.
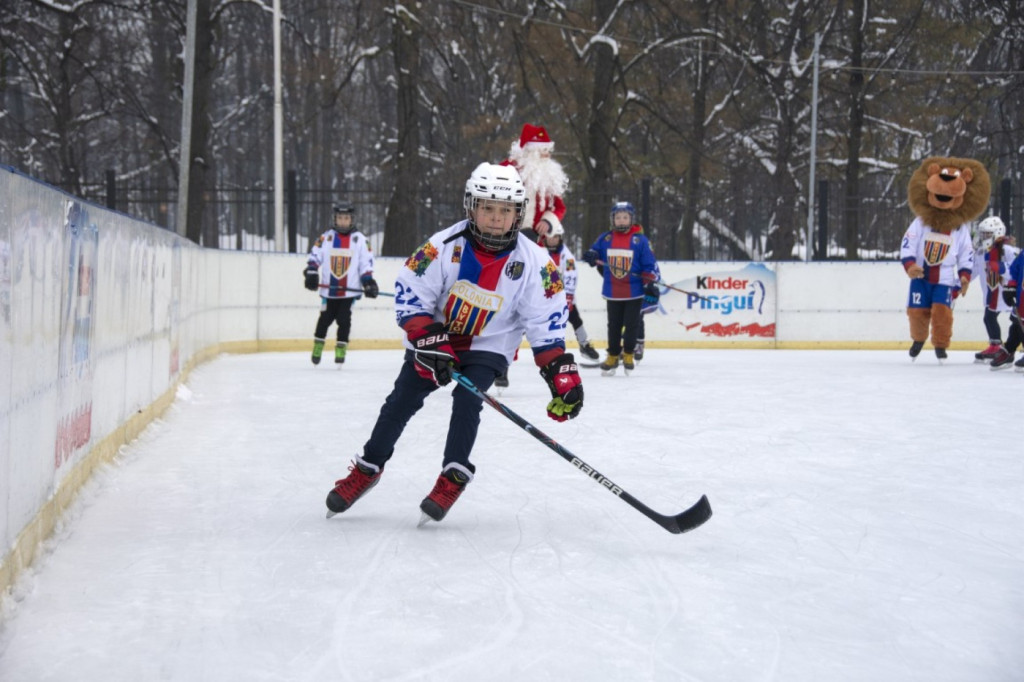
(501,183)
(556,235)
(989,230)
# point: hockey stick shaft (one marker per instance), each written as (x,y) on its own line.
(379,293)
(680,523)
(659,281)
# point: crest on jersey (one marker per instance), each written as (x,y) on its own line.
(469,308)
(457,254)
(421,259)
(994,279)
(551,277)
(619,262)
(514,269)
(340,263)
(936,246)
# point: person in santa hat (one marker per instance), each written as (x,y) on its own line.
(543,177)
(545,182)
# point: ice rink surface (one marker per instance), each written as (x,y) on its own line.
(868,525)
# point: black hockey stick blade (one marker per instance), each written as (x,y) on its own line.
(685,521)
(694,517)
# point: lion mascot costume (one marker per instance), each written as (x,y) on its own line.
(945,194)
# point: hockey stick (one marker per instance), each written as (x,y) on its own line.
(379,293)
(659,281)
(680,523)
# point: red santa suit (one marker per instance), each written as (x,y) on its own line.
(543,177)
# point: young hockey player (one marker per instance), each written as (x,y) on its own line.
(993,253)
(629,267)
(1013,295)
(566,262)
(464,300)
(340,268)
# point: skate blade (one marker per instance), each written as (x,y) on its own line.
(424,520)
(331,513)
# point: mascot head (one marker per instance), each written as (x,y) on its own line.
(948,192)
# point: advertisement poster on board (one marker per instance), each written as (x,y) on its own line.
(75,366)
(723,304)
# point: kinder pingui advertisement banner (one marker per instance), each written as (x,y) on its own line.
(728,304)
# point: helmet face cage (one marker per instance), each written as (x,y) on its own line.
(622,207)
(989,230)
(498,183)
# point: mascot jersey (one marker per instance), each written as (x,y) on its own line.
(341,259)
(627,255)
(943,256)
(992,265)
(485,300)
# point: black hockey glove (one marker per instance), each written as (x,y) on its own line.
(435,358)
(1010,296)
(312,275)
(590,257)
(369,286)
(566,388)
(651,294)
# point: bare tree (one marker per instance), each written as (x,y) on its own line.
(399,233)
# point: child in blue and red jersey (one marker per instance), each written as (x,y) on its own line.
(1013,296)
(623,255)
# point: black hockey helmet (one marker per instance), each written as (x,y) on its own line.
(344,207)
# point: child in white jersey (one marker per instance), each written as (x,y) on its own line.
(465,299)
(563,257)
(340,269)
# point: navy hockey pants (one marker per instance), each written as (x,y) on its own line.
(407,398)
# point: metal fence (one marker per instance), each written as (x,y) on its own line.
(244,217)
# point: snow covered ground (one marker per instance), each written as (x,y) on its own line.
(868,525)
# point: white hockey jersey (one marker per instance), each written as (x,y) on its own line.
(342,260)
(486,301)
(941,255)
(993,279)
